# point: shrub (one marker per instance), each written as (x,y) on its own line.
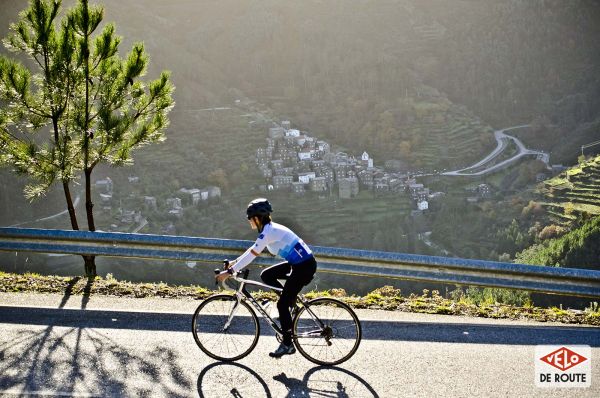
(550,232)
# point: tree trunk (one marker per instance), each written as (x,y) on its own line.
(90,266)
(90,261)
(89,205)
(70,206)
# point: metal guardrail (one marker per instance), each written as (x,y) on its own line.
(564,281)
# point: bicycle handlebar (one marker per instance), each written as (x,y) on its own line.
(235,275)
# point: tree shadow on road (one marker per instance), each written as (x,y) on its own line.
(226,379)
(87,292)
(470,332)
(71,361)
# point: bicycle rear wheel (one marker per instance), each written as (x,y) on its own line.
(225,330)
(327,331)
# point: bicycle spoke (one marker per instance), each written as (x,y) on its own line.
(237,340)
(333,343)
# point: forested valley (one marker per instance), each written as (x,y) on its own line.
(425,82)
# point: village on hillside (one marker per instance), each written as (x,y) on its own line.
(296,162)
(131,208)
(292,161)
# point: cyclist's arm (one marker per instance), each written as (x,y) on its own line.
(250,254)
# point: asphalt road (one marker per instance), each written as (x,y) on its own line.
(51,345)
(502,139)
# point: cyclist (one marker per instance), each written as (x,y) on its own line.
(298,269)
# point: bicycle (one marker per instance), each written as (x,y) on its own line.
(325,330)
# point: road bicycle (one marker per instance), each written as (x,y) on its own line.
(225,326)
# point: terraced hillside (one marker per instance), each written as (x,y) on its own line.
(362,222)
(449,139)
(575,191)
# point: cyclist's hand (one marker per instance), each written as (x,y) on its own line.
(220,277)
(227,264)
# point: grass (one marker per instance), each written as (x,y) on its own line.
(384,298)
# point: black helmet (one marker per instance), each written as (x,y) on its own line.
(259,207)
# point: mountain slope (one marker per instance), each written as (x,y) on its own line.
(389,77)
(574,192)
(579,248)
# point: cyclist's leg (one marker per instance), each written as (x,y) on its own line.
(301,276)
(271,275)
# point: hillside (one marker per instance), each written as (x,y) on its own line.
(579,248)
(415,80)
(574,192)
(422,81)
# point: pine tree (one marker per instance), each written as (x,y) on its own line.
(91,101)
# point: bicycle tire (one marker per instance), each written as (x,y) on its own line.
(337,341)
(207,327)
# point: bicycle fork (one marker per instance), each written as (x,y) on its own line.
(231,314)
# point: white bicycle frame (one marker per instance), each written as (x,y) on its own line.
(242,294)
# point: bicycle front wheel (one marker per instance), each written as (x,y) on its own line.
(225,329)
(327,331)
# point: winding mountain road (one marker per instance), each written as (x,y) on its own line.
(502,139)
(62,213)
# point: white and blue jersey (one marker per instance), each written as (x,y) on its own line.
(280,241)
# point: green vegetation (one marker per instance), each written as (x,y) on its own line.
(420,83)
(490,296)
(575,192)
(578,248)
(484,230)
(91,103)
(370,222)
(386,298)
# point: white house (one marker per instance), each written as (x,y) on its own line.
(174,203)
(193,195)
(310,139)
(323,146)
(305,155)
(423,205)
(214,192)
(366,159)
(306,177)
(292,133)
